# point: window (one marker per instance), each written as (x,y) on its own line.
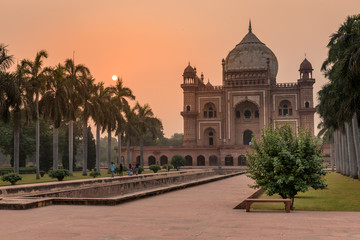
(237,114)
(285,108)
(209,111)
(307,104)
(256,114)
(188,108)
(247,114)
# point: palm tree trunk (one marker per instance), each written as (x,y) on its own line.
(351,150)
(37,152)
(332,154)
(109,150)
(84,171)
(17,118)
(119,147)
(98,147)
(142,151)
(128,150)
(345,153)
(356,141)
(55,147)
(337,151)
(71,146)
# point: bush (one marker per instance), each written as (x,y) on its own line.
(27,170)
(4,171)
(140,170)
(42,173)
(94,173)
(11,177)
(59,174)
(178,161)
(154,168)
(167,167)
(117,170)
(285,164)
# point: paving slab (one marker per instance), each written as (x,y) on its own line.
(200,212)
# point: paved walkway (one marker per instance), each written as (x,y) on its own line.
(201,212)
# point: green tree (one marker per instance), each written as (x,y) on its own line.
(46,142)
(54,105)
(36,74)
(285,164)
(74,73)
(339,100)
(146,122)
(177,161)
(6,60)
(91,159)
(121,95)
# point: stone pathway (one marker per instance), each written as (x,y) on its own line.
(201,212)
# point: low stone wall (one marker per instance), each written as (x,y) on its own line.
(104,187)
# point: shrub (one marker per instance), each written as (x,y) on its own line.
(285,164)
(59,174)
(27,170)
(42,173)
(94,173)
(178,161)
(140,170)
(4,171)
(167,167)
(11,177)
(117,170)
(154,168)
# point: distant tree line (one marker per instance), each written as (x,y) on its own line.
(45,111)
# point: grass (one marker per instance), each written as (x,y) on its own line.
(31,178)
(342,194)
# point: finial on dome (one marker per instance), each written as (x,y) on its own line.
(250,29)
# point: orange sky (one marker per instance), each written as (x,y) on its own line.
(149,43)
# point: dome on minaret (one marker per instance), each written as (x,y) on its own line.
(305,65)
(251,54)
(189,71)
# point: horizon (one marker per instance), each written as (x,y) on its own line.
(149,44)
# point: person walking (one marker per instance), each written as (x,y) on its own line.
(112,169)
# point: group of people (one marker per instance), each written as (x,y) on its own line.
(132,170)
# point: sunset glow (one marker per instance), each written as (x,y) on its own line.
(153,41)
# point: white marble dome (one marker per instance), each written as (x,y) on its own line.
(251,54)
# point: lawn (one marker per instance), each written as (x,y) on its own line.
(342,194)
(31,178)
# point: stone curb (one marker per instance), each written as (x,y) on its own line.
(34,203)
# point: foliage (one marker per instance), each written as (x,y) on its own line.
(167,166)
(174,140)
(65,152)
(177,161)
(42,173)
(59,174)
(154,168)
(286,164)
(91,156)
(46,148)
(141,169)
(94,173)
(11,177)
(4,171)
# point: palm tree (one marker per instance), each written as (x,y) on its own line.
(121,95)
(101,99)
(86,91)
(6,60)
(36,74)
(130,128)
(342,67)
(74,73)
(146,122)
(54,104)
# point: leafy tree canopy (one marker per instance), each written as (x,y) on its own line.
(285,164)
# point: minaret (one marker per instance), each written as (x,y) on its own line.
(305,83)
(189,113)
